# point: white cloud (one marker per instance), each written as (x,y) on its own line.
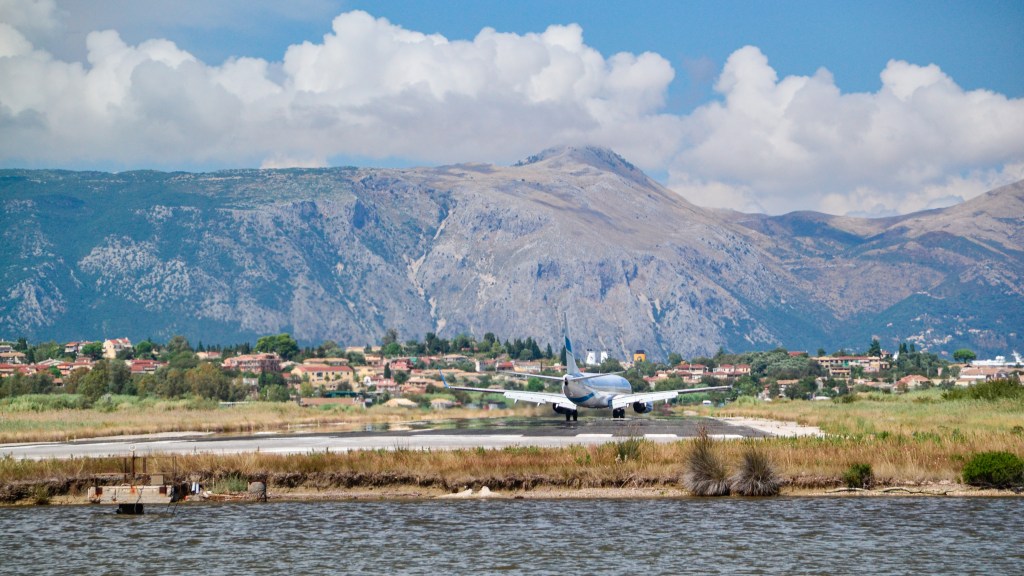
(371,89)
(799,143)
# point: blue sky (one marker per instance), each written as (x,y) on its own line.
(845,107)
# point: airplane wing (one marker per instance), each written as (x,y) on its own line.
(627,399)
(556,398)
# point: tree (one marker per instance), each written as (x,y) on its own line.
(387,371)
(93,350)
(390,337)
(106,376)
(876,348)
(401,377)
(283,344)
(610,365)
(178,344)
(391,350)
(144,349)
(277,393)
(208,381)
(47,350)
(964,355)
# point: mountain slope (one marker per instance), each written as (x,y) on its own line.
(347,253)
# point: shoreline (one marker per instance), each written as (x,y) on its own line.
(401,493)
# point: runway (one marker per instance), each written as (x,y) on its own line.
(443,435)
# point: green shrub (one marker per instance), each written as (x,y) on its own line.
(859,476)
(756,475)
(628,449)
(994,470)
(991,390)
(41,495)
(705,473)
(43,402)
(229,484)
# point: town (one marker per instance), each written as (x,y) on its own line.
(405,374)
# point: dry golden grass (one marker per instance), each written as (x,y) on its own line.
(922,412)
(145,417)
(800,462)
(916,438)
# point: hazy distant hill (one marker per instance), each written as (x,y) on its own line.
(347,253)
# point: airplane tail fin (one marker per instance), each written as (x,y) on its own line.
(570,359)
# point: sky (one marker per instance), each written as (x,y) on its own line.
(865,108)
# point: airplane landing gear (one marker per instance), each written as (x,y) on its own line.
(618,413)
(574,414)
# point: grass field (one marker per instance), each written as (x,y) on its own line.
(906,439)
(924,412)
(52,418)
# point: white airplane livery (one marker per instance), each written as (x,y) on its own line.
(588,390)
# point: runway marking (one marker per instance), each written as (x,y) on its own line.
(661,436)
(593,435)
(726,436)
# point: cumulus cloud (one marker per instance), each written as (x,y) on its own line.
(371,89)
(368,89)
(799,143)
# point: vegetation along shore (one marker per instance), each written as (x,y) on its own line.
(919,442)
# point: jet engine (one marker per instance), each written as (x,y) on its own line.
(643,407)
(562,410)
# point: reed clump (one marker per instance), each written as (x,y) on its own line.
(756,475)
(705,473)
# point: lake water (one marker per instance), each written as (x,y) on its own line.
(855,535)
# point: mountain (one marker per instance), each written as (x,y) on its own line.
(345,253)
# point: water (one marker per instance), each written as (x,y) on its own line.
(893,535)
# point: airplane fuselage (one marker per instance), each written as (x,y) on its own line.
(596,392)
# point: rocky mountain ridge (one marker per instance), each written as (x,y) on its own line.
(345,253)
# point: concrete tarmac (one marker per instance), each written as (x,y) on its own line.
(446,435)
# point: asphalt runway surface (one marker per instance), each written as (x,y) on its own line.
(442,435)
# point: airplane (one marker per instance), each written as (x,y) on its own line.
(588,390)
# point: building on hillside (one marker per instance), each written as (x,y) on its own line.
(75,348)
(113,346)
(639,356)
(842,366)
(524,367)
(381,385)
(595,357)
(209,355)
(401,364)
(255,363)
(326,361)
(12,357)
(450,359)
(975,374)
(83,363)
(144,366)
(734,369)
(912,382)
(485,365)
(415,386)
(323,375)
